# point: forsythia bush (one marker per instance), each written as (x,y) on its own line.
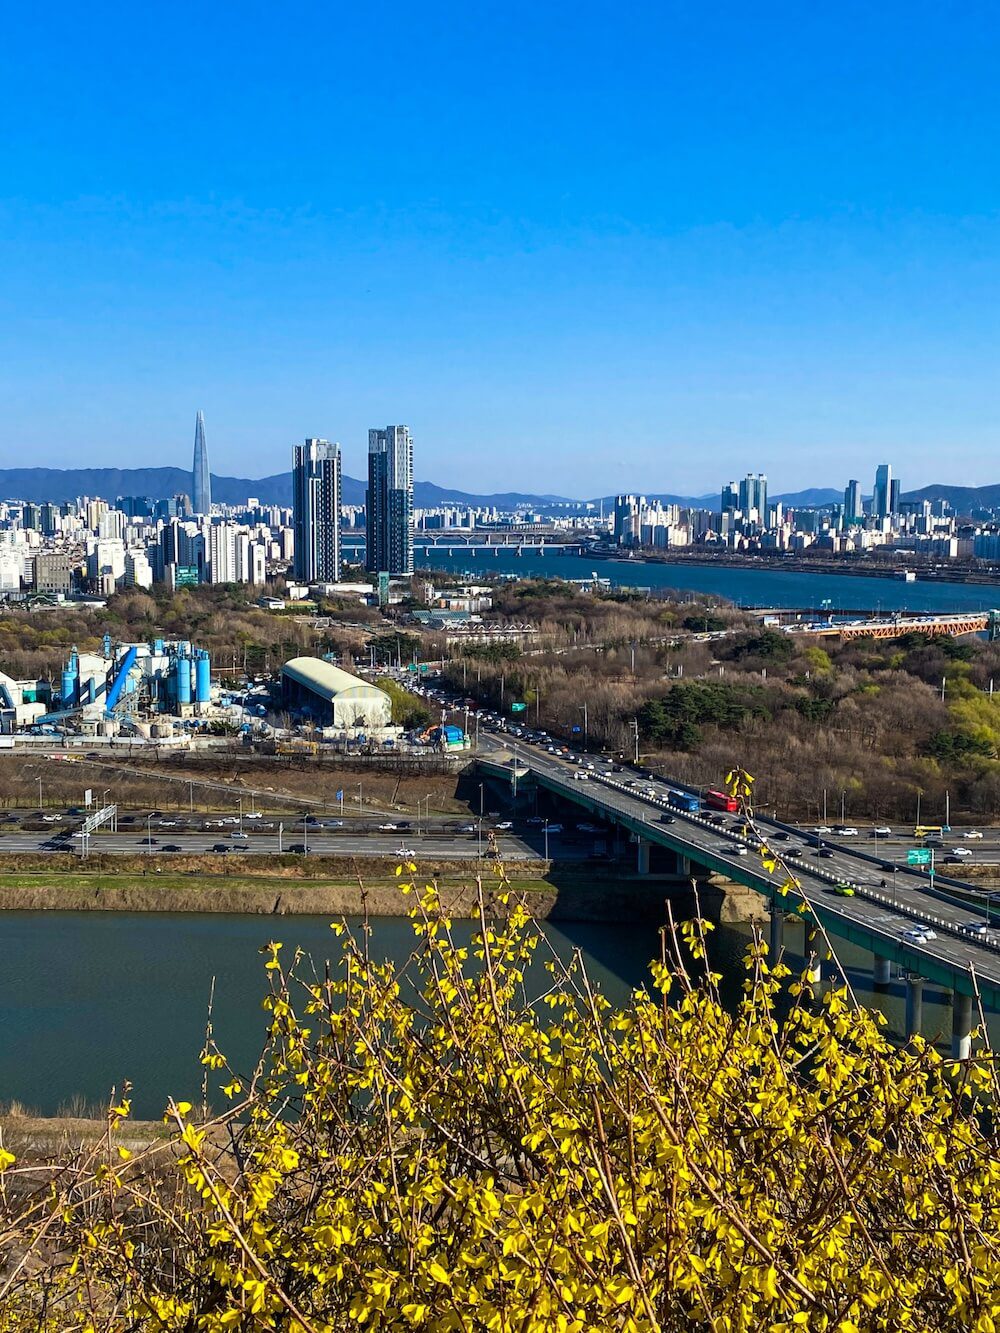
(430,1149)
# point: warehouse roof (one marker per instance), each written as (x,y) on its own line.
(328,681)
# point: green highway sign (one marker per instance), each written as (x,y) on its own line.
(518,708)
(919,856)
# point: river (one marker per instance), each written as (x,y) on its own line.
(747,587)
(88,999)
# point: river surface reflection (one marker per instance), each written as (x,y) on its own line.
(88,999)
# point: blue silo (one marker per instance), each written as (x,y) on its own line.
(203,678)
(70,674)
(183,680)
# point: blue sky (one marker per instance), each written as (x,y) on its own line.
(578,248)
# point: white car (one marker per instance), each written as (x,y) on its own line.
(408,852)
(822,828)
(961,851)
(505,824)
(883,831)
(972,833)
(254,814)
(918,934)
(846,832)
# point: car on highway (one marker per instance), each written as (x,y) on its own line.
(388,828)
(918,934)
(822,828)
(666,819)
(220,847)
(238,834)
(254,814)
(504,825)
(972,833)
(845,831)
(170,847)
(977,929)
(299,848)
(408,852)
(466,828)
(883,831)
(732,849)
(794,851)
(780,836)
(959,851)
(825,852)
(844,888)
(148,842)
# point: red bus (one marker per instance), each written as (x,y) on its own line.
(718,800)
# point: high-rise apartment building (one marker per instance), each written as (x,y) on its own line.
(201,478)
(389,502)
(852,504)
(316,492)
(626,520)
(753,495)
(882,498)
(730,497)
(894,494)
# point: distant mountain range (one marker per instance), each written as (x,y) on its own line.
(159,483)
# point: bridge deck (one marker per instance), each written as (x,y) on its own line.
(870,919)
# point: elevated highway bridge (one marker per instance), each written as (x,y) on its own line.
(875,917)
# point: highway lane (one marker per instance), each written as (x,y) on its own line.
(644,803)
(427,847)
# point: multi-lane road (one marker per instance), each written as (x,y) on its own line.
(878,913)
(171,835)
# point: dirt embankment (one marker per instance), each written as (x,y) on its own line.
(339,888)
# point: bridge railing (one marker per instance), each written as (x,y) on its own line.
(906,910)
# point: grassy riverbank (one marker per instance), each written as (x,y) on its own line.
(570,894)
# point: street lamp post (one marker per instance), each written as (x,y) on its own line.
(240,799)
(586,731)
(843,807)
(39,793)
(305,833)
(149,834)
(281,829)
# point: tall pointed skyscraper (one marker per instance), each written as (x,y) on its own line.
(201,478)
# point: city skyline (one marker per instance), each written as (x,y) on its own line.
(744,238)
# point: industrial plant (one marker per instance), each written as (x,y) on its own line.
(133,688)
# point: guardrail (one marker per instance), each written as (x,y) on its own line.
(572,784)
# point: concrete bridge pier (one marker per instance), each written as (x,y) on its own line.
(814,942)
(682,865)
(914,1005)
(961,1026)
(642,856)
(776,939)
(883,968)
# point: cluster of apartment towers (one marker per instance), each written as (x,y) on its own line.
(749,497)
(316,503)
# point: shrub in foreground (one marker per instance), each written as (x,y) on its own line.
(432,1148)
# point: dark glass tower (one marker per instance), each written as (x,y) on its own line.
(389,502)
(316,500)
(201,478)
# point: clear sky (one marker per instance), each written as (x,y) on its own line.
(577,247)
